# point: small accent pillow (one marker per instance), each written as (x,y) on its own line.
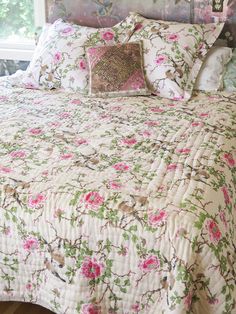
(116,70)
(173,54)
(230,74)
(60,60)
(210,77)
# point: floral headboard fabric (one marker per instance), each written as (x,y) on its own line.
(102,13)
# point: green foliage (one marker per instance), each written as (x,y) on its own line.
(16,18)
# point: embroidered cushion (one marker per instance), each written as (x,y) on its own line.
(173,54)
(116,70)
(60,61)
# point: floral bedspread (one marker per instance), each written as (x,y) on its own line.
(120,205)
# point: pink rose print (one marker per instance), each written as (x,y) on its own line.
(156,109)
(82,65)
(80,141)
(93,200)
(228,157)
(172,37)
(178,97)
(138,26)
(54,125)
(129,141)
(76,102)
(212,300)
(35,131)
(156,219)
(146,133)
(67,31)
(29,286)
(57,57)
(204,115)
(150,263)
(18,154)
(188,301)
(214,231)
(135,307)
(184,151)
(108,35)
(152,123)
(223,218)
(66,156)
(196,124)
(121,166)
(91,309)
(91,269)
(172,167)
(36,201)
(5,169)
(115,185)
(226,195)
(65,115)
(31,244)
(160,59)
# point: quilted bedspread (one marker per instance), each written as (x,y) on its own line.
(123,205)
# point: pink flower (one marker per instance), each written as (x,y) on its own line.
(178,97)
(5,169)
(212,300)
(54,125)
(115,185)
(91,309)
(76,102)
(146,133)
(121,166)
(82,64)
(172,37)
(156,109)
(223,218)
(80,141)
(91,269)
(152,123)
(129,141)
(108,35)
(184,151)
(226,195)
(64,115)
(93,200)
(172,167)
(116,108)
(135,307)
(66,156)
(57,57)
(69,30)
(188,301)
(196,123)
(35,131)
(29,286)
(18,154)
(138,26)
(157,218)
(161,59)
(204,115)
(228,157)
(36,201)
(31,244)
(214,231)
(150,263)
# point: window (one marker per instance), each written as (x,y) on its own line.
(19,19)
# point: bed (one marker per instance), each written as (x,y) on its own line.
(117,205)
(126,204)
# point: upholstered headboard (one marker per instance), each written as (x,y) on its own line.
(102,13)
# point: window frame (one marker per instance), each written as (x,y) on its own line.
(20,50)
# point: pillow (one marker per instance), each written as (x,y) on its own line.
(210,77)
(230,74)
(173,54)
(116,70)
(61,61)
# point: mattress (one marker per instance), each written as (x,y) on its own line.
(119,205)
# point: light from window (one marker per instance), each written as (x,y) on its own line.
(17,20)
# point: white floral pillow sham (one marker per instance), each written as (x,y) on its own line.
(210,77)
(61,62)
(173,54)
